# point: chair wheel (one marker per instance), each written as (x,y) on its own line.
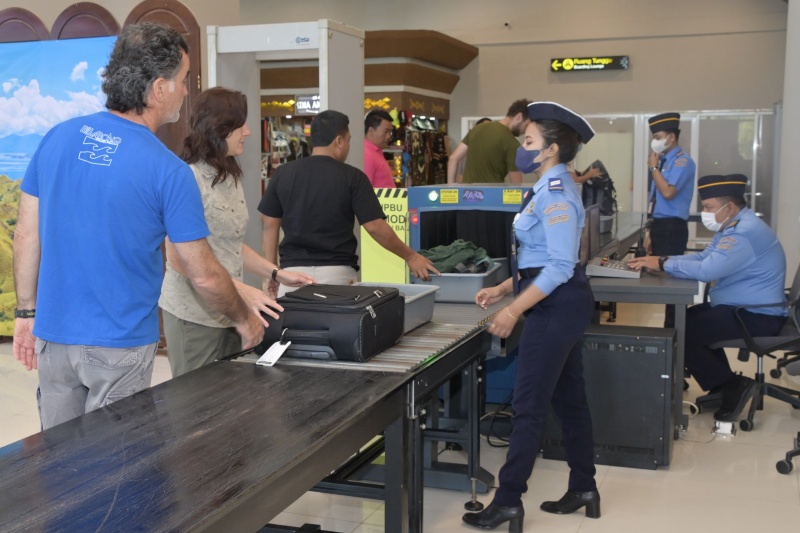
(745,425)
(775,373)
(784,467)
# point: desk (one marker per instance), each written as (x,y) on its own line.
(225,448)
(656,288)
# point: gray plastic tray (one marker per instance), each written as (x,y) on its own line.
(461,288)
(419,302)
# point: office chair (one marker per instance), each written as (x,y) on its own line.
(785,466)
(788,339)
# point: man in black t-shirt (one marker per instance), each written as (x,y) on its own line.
(316,201)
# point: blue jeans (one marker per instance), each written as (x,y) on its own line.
(75,379)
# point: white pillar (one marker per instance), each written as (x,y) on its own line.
(788,179)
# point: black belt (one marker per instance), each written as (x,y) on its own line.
(526,273)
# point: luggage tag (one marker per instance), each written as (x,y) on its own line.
(274,352)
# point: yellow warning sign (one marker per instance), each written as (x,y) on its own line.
(449,196)
(378,263)
(512,196)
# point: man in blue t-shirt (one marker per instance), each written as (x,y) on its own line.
(98,198)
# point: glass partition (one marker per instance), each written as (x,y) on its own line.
(613,145)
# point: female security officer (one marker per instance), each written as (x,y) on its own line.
(557,302)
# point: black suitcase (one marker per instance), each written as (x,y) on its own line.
(347,322)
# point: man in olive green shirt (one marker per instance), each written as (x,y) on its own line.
(492,149)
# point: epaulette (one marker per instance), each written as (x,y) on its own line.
(732,224)
(555,184)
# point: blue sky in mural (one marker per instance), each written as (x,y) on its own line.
(41,84)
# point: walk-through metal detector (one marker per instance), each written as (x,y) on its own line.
(235,58)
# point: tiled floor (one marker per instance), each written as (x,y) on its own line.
(714,483)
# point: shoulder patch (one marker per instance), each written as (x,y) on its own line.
(556,207)
(557,219)
(555,184)
(726,243)
(681,162)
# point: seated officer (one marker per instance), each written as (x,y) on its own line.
(744,265)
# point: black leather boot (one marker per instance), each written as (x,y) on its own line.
(494,515)
(574,500)
(736,392)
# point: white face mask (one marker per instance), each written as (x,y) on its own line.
(710,220)
(659,145)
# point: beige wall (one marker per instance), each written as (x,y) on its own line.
(789,184)
(685,54)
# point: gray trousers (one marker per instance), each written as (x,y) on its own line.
(75,379)
(191,345)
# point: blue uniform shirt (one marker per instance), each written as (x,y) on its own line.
(678,169)
(744,263)
(549,229)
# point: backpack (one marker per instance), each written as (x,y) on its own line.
(600,191)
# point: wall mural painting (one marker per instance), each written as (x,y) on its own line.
(42,83)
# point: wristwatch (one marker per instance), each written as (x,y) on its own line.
(653,168)
(275,273)
(24,313)
(661,261)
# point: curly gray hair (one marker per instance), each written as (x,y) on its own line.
(143,53)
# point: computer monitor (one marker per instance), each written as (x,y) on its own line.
(590,235)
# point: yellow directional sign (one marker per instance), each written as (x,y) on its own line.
(572,64)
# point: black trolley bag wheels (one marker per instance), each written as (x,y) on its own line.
(345,322)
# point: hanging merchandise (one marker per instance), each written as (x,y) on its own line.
(425,145)
(284,139)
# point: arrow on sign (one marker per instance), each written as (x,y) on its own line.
(555,64)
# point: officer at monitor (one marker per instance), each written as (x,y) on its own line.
(745,266)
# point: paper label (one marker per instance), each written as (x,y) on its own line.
(273,353)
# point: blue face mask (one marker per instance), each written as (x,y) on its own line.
(525,160)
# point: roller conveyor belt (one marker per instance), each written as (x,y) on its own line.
(452,323)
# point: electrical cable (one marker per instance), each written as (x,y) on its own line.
(500,442)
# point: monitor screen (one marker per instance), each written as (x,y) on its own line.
(590,235)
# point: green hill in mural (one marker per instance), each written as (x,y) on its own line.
(9,202)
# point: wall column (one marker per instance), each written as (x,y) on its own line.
(788,179)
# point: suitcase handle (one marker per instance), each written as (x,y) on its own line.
(316,337)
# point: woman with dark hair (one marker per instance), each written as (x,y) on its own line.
(195,334)
(551,290)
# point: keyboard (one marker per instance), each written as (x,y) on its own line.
(610,268)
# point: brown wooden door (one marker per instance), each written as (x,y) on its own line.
(19,25)
(84,19)
(175,15)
